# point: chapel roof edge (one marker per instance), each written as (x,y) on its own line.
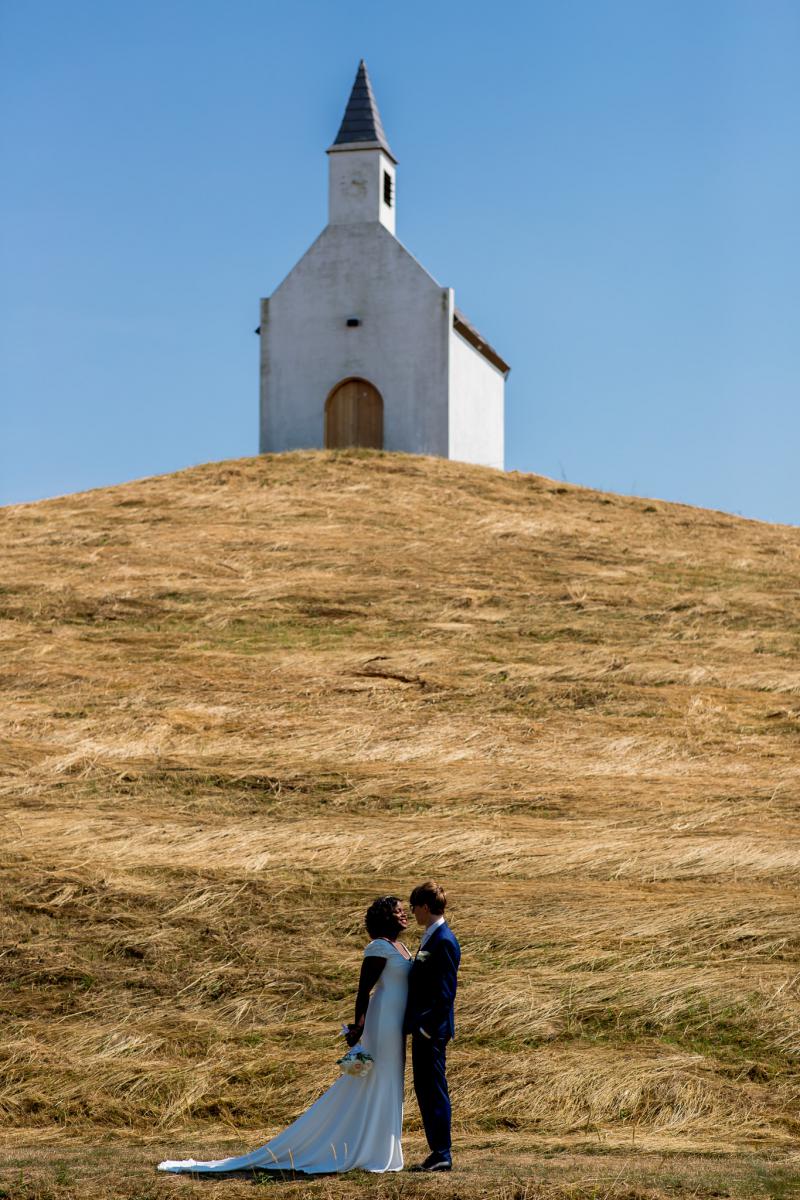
(470,334)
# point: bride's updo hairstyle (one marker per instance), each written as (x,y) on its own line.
(381,918)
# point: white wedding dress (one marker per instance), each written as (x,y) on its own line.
(358,1121)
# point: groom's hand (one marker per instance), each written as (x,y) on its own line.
(353,1035)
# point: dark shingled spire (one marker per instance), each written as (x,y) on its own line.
(362,121)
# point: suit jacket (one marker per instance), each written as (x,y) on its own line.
(432,985)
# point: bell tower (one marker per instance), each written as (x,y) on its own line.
(361,167)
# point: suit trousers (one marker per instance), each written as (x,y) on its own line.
(428,1058)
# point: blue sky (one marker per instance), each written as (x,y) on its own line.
(612,187)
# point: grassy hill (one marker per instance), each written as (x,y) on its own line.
(242,700)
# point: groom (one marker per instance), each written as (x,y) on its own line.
(429,1019)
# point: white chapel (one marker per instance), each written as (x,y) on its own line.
(360,346)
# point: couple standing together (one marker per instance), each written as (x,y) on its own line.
(358,1121)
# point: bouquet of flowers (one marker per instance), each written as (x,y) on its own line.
(357,1060)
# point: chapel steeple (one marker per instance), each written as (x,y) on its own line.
(361,122)
(362,166)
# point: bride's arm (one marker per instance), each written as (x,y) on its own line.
(371,969)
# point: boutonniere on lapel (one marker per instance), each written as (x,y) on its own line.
(422,955)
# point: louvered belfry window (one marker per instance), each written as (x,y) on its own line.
(387,189)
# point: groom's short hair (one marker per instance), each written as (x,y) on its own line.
(432,894)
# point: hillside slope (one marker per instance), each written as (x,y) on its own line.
(242,700)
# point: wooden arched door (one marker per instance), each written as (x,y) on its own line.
(354,415)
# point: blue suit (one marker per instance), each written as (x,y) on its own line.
(431,994)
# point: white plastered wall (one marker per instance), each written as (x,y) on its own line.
(476,406)
(401,346)
(355,187)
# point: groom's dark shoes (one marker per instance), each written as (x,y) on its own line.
(435,1162)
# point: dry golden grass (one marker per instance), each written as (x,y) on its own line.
(240,701)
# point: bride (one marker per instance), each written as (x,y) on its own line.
(358,1121)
